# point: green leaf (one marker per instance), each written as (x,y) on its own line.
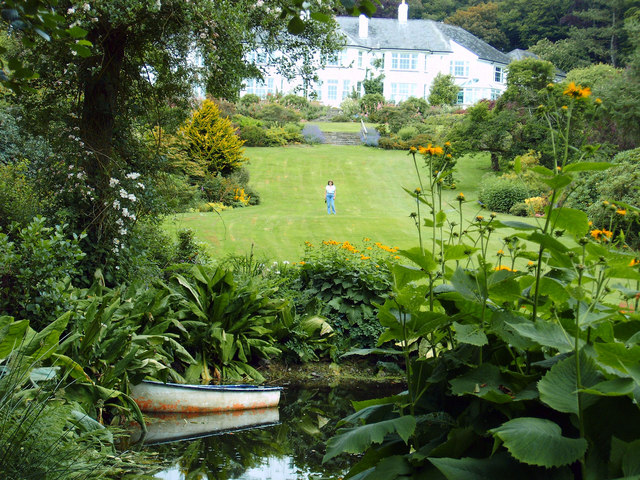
(557,182)
(573,221)
(458,252)
(515,225)
(517,165)
(612,388)
(358,439)
(471,334)
(11,336)
(296,25)
(76,32)
(547,241)
(544,333)
(539,169)
(423,260)
(538,441)
(320,17)
(559,387)
(440,218)
(487,382)
(585,166)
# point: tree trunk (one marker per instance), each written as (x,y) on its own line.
(495,162)
(101,79)
(101,86)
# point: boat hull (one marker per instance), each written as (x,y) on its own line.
(177,398)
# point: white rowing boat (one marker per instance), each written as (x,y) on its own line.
(177,398)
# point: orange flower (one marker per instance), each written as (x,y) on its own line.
(621,211)
(504,267)
(634,262)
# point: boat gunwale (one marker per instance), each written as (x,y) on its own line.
(214,388)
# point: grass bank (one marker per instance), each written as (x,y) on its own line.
(370,201)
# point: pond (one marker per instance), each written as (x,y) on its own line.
(285,443)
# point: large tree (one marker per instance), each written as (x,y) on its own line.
(144,56)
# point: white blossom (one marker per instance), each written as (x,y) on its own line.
(116,204)
(141,185)
(123,193)
(133,175)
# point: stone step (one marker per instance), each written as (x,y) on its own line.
(342,138)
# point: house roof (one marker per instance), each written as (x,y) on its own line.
(424,35)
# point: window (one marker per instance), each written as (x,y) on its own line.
(404,61)
(459,68)
(360,57)
(259,88)
(359,88)
(495,94)
(460,98)
(258,57)
(402,91)
(332,89)
(498,74)
(346,88)
(337,60)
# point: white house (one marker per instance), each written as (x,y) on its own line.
(411,53)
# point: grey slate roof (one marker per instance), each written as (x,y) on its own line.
(423,35)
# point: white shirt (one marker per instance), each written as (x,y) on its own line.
(331,189)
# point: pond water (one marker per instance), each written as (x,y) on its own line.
(284,443)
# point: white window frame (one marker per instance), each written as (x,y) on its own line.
(459,68)
(332,90)
(401,91)
(346,88)
(404,61)
(498,74)
(338,60)
(360,58)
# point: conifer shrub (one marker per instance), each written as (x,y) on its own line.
(211,141)
(500,194)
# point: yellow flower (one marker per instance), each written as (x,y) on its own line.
(564,107)
(607,233)
(576,91)
(500,252)
(598,101)
(504,267)
(413,150)
(596,233)
(364,257)
(622,211)
(479,218)
(460,197)
(397,257)
(367,239)
(531,263)
(447,144)
(302,262)
(634,262)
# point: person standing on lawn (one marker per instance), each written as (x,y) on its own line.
(330,197)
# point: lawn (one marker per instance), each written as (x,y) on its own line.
(370,201)
(349,127)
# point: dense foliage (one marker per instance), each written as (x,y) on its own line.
(524,366)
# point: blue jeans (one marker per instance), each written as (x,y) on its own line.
(331,206)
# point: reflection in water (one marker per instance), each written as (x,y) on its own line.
(291,450)
(171,427)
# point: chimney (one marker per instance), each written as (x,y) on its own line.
(403,13)
(363,26)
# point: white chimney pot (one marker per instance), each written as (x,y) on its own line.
(363,26)
(403,13)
